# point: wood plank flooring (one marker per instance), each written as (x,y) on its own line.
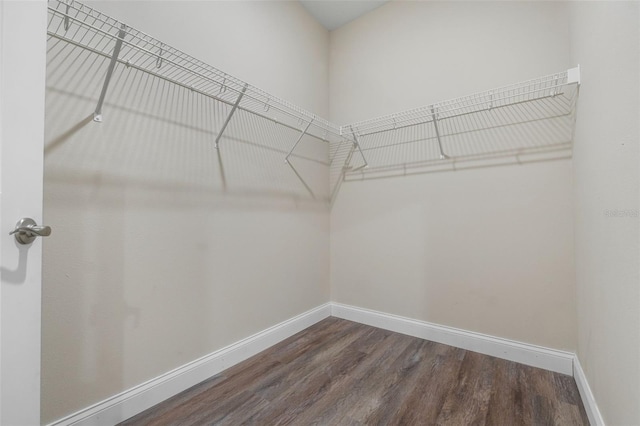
(339,372)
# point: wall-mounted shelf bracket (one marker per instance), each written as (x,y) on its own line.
(573,75)
(286,160)
(159,60)
(97,115)
(434,116)
(357,145)
(233,110)
(304,132)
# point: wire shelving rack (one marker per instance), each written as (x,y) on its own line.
(518,118)
(77,25)
(531,112)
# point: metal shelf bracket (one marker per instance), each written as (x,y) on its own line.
(97,115)
(434,116)
(304,132)
(573,75)
(226,121)
(357,144)
(286,160)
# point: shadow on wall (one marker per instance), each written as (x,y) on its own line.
(159,135)
(515,133)
(154,228)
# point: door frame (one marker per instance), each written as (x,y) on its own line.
(22,98)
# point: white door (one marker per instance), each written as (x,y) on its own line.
(22,82)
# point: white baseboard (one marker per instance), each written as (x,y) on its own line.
(137,399)
(535,356)
(589,402)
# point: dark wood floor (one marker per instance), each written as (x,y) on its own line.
(339,372)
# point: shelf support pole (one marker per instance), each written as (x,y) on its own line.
(286,160)
(357,144)
(97,115)
(345,168)
(304,132)
(233,110)
(336,189)
(443,156)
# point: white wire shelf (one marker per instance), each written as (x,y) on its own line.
(524,117)
(548,86)
(74,27)
(515,119)
(82,26)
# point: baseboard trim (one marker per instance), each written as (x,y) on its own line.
(139,398)
(524,353)
(589,402)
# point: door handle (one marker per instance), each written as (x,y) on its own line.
(27,230)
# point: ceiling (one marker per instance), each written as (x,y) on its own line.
(333,14)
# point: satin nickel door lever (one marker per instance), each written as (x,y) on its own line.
(27,230)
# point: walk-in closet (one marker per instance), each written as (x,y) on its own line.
(319,212)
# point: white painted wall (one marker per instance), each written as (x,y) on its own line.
(262,42)
(605,40)
(489,249)
(151,265)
